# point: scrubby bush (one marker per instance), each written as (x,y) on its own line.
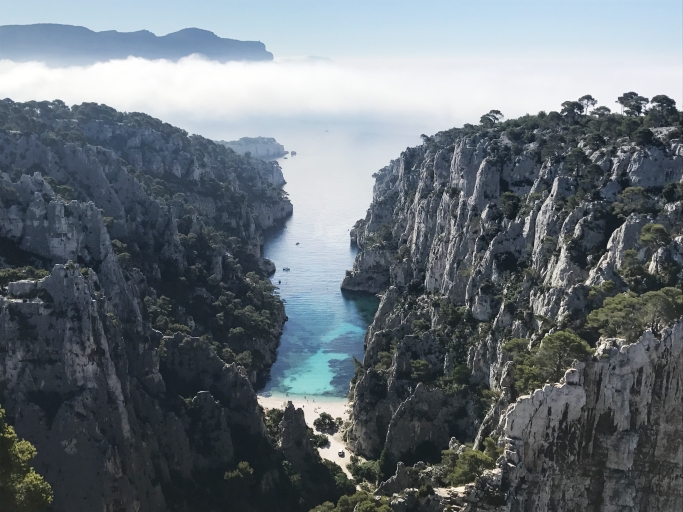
(325,423)
(21,488)
(342,482)
(319,440)
(364,470)
(273,419)
(466,467)
(546,362)
(510,204)
(8,275)
(420,369)
(627,315)
(654,235)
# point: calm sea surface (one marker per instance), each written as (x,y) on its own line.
(329,182)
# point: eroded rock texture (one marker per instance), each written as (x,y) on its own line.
(131,397)
(483,236)
(606,438)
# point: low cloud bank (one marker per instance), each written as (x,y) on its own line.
(424,94)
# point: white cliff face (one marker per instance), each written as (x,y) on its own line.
(608,437)
(483,241)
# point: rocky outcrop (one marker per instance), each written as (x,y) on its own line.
(265,148)
(316,482)
(109,430)
(169,202)
(607,437)
(133,223)
(478,237)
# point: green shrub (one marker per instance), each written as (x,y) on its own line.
(243,471)
(627,315)
(633,200)
(21,488)
(318,440)
(384,361)
(342,482)
(510,204)
(325,423)
(467,467)
(364,471)
(8,275)
(420,369)
(420,326)
(273,419)
(654,235)
(546,362)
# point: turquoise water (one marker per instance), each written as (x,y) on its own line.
(330,185)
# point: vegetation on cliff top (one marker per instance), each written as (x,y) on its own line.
(218,288)
(638,298)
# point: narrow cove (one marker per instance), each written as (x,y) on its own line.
(330,185)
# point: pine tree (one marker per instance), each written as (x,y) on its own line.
(21,488)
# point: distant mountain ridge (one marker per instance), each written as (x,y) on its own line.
(68,44)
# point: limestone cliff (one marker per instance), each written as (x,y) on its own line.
(608,437)
(135,313)
(490,234)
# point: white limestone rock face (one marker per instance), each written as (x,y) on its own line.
(609,438)
(500,243)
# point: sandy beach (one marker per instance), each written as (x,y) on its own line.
(312,407)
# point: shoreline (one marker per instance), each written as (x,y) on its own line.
(337,407)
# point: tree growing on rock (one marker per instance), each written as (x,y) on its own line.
(21,488)
(654,235)
(571,109)
(632,103)
(588,102)
(663,111)
(546,362)
(490,119)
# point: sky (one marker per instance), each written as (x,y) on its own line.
(389,28)
(394,65)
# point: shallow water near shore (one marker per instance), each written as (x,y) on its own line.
(330,185)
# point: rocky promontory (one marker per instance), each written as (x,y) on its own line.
(135,313)
(265,148)
(504,253)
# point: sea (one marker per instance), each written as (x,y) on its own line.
(329,182)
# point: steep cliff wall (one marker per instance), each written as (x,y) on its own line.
(606,438)
(491,234)
(187,213)
(129,348)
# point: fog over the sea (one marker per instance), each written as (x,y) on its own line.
(403,96)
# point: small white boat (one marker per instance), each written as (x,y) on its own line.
(286,269)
